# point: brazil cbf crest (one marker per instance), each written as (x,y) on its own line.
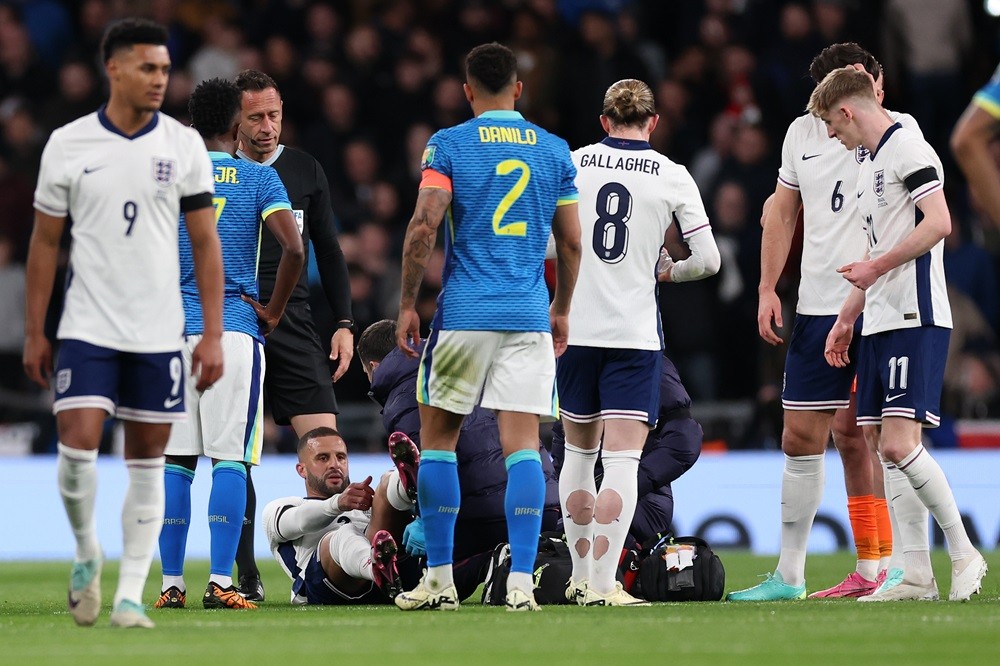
(428,158)
(879,185)
(164,171)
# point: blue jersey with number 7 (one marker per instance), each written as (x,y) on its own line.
(246,193)
(507,176)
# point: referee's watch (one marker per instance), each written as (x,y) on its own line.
(348,324)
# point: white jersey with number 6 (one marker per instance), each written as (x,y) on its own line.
(629,196)
(825,173)
(123,195)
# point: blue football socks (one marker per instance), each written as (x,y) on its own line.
(439,497)
(523,505)
(176,518)
(226,506)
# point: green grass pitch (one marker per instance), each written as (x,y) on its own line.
(36,630)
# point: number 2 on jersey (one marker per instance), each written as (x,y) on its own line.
(512,228)
(614,208)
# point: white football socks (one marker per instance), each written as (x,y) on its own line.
(353,552)
(613,512)
(801,494)
(932,488)
(394,492)
(142,519)
(577,476)
(910,549)
(77,478)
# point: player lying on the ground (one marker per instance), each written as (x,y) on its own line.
(482,523)
(338,543)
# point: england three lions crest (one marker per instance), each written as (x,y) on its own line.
(879,184)
(164,171)
(860,154)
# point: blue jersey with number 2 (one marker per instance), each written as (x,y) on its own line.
(506,176)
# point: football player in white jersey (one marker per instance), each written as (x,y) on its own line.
(900,285)
(338,543)
(124,174)
(609,376)
(817,175)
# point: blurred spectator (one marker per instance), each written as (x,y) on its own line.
(78,95)
(327,137)
(738,237)
(49,28)
(785,66)
(968,268)
(705,164)
(11,318)
(21,72)
(925,45)
(596,60)
(219,55)
(352,193)
(16,198)
(22,136)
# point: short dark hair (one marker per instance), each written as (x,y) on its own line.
(214,106)
(254,81)
(128,32)
(377,341)
(316,433)
(845,54)
(494,66)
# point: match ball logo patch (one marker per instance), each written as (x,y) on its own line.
(164,171)
(63,379)
(879,185)
(428,158)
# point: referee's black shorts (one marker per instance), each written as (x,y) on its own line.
(297,378)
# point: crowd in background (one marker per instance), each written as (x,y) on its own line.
(366,82)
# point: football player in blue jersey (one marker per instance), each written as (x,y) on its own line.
(971,140)
(225,423)
(503,184)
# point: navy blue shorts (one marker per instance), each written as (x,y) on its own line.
(810,383)
(133,386)
(900,373)
(319,590)
(598,382)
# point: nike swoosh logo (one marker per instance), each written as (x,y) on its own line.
(888,399)
(860,193)
(92,170)
(146,521)
(921,485)
(809,157)
(896,497)
(170,404)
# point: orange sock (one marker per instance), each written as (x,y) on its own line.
(861,509)
(884,527)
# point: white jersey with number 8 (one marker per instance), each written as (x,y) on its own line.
(629,196)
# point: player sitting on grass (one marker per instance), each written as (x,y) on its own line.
(338,543)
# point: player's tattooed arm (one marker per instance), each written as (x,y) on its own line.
(421,234)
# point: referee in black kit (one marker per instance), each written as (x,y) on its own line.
(297,383)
